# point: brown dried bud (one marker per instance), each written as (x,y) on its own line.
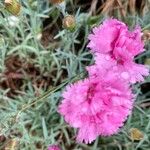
(146,35)
(136,134)
(69,22)
(56,1)
(13,6)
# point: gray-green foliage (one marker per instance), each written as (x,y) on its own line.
(41,125)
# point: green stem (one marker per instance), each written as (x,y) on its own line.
(47,94)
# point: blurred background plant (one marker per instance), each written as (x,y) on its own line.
(38,52)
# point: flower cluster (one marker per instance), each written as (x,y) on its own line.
(100,104)
(114,40)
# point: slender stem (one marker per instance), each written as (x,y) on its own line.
(47,94)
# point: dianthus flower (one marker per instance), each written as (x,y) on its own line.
(113,39)
(103,37)
(96,106)
(53,147)
(129,71)
(113,36)
(99,104)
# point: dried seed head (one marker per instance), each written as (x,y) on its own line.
(136,134)
(13,6)
(146,35)
(69,22)
(56,1)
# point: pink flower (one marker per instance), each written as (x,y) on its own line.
(97,106)
(53,147)
(114,38)
(132,72)
(103,64)
(103,37)
(129,71)
(127,45)
(100,104)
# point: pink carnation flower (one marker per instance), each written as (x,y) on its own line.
(128,71)
(113,37)
(100,104)
(114,40)
(128,45)
(96,106)
(103,64)
(132,72)
(103,37)
(53,147)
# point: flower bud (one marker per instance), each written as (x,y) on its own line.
(13,6)
(69,22)
(136,134)
(146,35)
